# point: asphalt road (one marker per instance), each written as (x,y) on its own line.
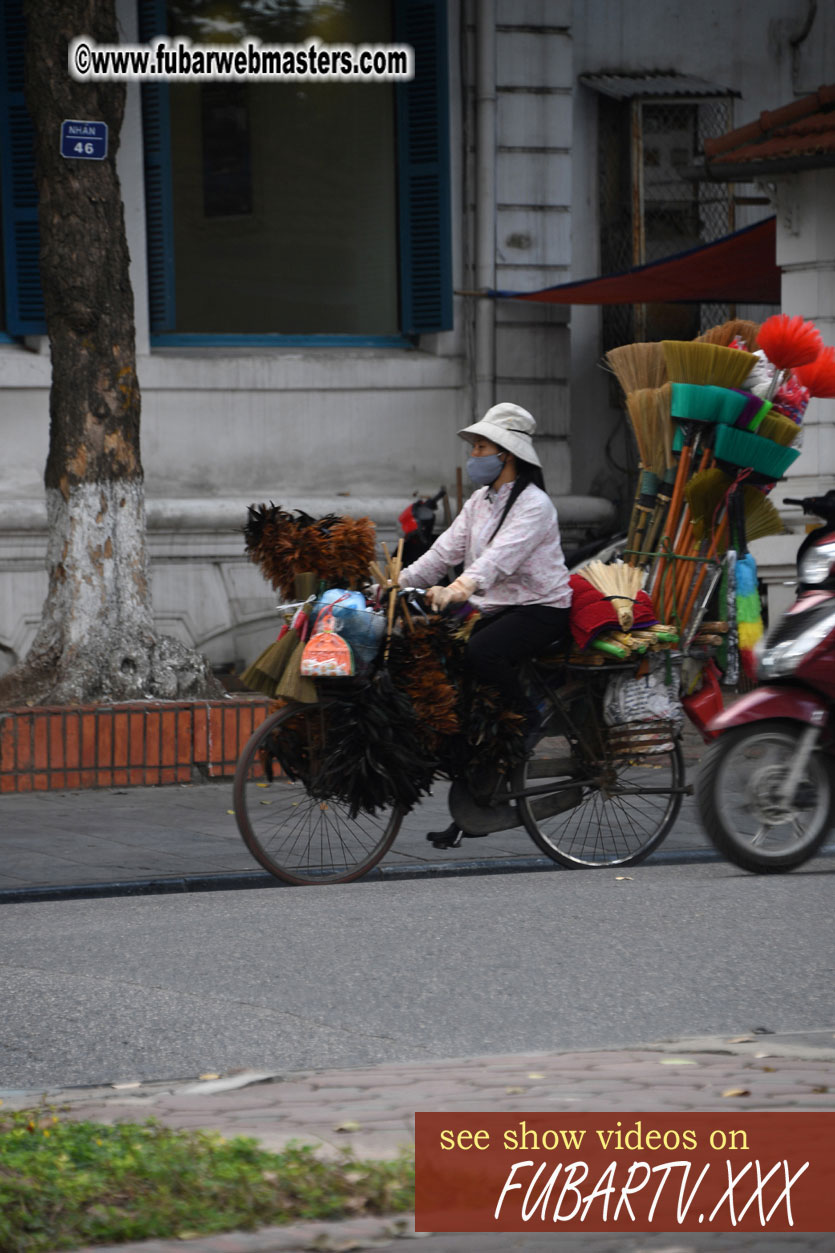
(162,987)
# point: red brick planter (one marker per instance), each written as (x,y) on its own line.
(136,744)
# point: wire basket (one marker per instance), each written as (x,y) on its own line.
(642,739)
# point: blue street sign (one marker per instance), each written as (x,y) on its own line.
(84,140)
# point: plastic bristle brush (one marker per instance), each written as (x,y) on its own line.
(752,452)
(819,376)
(777,427)
(691,361)
(789,342)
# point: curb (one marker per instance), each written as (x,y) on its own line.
(247,879)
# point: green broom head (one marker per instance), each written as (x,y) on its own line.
(689,361)
(753,413)
(705,403)
(738,448)
(294,685)
(777,427)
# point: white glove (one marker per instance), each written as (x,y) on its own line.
(457,592)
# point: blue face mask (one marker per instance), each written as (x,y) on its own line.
(485,470)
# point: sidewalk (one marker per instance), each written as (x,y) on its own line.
(184,838)
(372,1111)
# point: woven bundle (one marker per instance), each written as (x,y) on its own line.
(336,549)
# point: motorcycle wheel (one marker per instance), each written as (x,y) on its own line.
(737,793)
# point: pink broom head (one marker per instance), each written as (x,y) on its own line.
(789,342)
(819,376)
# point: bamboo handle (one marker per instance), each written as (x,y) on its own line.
(718,538)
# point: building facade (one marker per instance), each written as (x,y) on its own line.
(307,261)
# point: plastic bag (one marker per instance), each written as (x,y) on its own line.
(652,697)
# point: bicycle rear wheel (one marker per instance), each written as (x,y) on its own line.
(296,835)
(609,812)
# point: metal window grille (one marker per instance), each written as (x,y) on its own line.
(650,210)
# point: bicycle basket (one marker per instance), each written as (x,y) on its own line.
(641,739)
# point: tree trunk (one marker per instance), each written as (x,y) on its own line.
(96,640)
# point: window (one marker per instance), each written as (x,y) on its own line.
(650,208)
(300,209)
(22,300)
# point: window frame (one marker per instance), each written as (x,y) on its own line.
(424,229)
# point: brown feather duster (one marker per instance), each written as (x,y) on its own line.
(336,549)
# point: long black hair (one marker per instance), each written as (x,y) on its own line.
(526,473)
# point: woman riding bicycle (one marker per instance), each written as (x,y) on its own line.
(507,537)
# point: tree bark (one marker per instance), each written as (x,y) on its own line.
(96,640)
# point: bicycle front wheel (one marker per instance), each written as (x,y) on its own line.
(296,835)
(612,812)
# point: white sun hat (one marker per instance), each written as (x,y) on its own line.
(511,427)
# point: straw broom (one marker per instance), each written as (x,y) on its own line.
(637,366)
(619,582)
(649,412)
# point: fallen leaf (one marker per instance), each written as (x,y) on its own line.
(677,1061)
(514,1091)
(534,1075)
(769,1070)
(741,1039)
(231,811)
(348,1125)
(209,1075)
(820,1088)
(736,1092)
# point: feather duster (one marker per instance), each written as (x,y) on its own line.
(374,756)
(818,377)
(789,342)
(336,549)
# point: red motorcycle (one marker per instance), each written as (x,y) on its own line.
(766,789)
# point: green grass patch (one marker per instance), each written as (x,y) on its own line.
(64,1184)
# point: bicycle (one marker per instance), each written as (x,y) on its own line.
(589,795)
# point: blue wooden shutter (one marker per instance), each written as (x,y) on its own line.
(156,131)
(423,170)
(21,235)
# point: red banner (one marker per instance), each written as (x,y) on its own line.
(768,1172)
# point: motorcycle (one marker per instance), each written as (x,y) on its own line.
(766,789)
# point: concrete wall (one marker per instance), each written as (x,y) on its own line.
(738,46)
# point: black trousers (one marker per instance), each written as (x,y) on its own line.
(501,640)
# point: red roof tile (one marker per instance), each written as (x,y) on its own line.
(803,129)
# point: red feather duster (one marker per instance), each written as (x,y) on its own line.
(789,342)
(819,376)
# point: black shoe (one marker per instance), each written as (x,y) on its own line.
(449,838)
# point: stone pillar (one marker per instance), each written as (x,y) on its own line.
(806,255)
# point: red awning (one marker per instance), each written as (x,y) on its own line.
(737,269)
